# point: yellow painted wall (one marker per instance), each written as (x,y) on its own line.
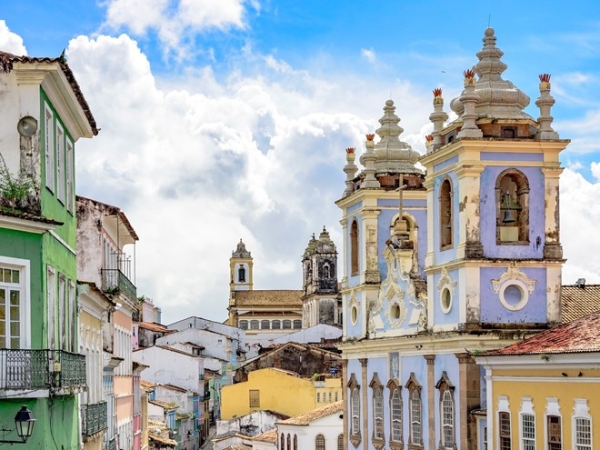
(279,392)
(539,385)
(327,394)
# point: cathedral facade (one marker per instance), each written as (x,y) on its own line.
(443,263)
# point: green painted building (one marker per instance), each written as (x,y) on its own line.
(43,115)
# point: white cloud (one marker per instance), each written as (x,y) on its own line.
(11,42)
(368,54)
(175,22)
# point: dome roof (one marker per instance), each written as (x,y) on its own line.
(392,154)
(323,245)
(498,98)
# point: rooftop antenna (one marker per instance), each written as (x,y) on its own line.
(489,20)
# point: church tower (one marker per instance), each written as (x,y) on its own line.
(320,301)
(240,269)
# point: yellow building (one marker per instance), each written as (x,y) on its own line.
(277,390)
(544,392)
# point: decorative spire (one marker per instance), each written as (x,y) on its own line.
(469,98)
(393,155)
(498,98)
(240,251)
(545,102)
(350,169)
(367,159)
(437,117)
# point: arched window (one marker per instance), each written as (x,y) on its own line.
(354,396)
(276,325)
(395,415)
(354,248)
(320,442)
(242,274)
(282,442)
(289,442)
(297,324)
(265,325)
(512,207)
(254,324)
(244,324)
(377,388)
(415,411)
(446,217)
(326,271)
(340,442)
(295,442)
(447,438)
(287,324)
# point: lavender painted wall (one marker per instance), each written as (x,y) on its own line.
(449,364)
(492,310)
(487,212)
(354,280)
(445,256)
(446,163)
(353,330)
(439,316)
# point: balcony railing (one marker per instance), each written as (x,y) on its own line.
(114,281)
(41,369)
(94,418)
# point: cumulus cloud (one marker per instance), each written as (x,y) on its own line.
(175,22)
(368,54)
(11,42)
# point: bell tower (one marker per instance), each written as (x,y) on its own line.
(240,269)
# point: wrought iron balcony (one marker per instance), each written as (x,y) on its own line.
(93,418)
(115,281)
(41,369)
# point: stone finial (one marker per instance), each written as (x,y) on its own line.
(428,141)
(469,98)
(370,136)
(368,160)
(350,169)
(437,117)
(545,102)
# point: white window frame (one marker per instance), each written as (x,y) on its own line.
(396,414)
(73,316)
(553,409)
(416,417)
(378,413)
(70,165)
(63,310)
(503,407)
(23,266)
(51,296)
(447,402)
(581,411)
(355,411)
(49,147)
(526,410)
(60,163)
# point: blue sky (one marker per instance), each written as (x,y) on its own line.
(228,119)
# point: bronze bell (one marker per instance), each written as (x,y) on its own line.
(509,216)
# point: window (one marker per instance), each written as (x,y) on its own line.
(446,389)
(254,398)
(416,431)
(49,147)
(14,303)
(242,274)
(64,313)
(554,429)
(297,324)
(354,248)
(265,325)
(582,425)
(244,324)
(354,396)
(295,442)
(320,442)
(377,388)
(326,271)
(330,397)
(318,397)
(509,132)
(340,442)
(446,219)
(504,430)
(289,442)
(254,324)
(282,441)
(287,324)
(60,163)
(512,207)
(51,293)
(395,414)
(528,431)
(73,315)
(70,176)
(276,325)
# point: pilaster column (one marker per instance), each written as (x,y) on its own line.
(552,247)
(469,392)
(431,400)
(469,240)
(365,398)
(371,257)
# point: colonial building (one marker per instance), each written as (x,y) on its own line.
(439,267)
(44,114)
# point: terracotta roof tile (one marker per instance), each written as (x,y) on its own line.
(578,301)
(578,336)
(28,216)
(268,298)
(164,405)
(315,414)
(267,436)
(154,327)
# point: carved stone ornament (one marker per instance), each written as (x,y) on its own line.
(513,274)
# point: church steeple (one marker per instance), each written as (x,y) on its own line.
(240,269)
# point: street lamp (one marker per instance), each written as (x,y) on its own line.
(24,422)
